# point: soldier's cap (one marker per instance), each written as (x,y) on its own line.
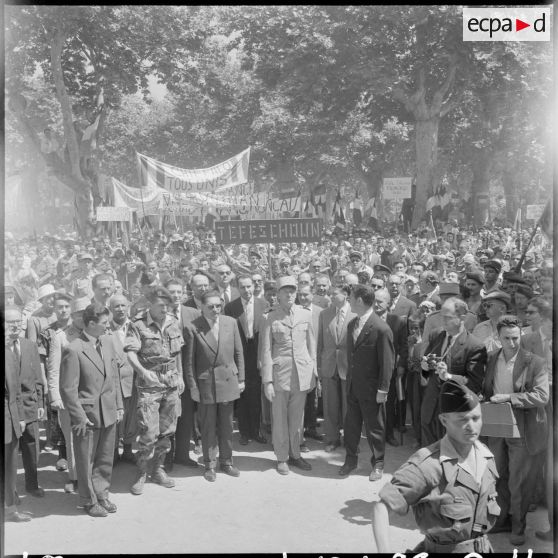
(525,291)
(498,295)
(270,285)
(61,295)
(158,292)
(449,289)
(255,253)
(411,279)
(45,290)
(431,277)
(85,256)
(494,264)
(355,254)
(79,304)
(286,282)
(476,276)
(455,398)
(379,268)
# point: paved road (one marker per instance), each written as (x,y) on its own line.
(261,511)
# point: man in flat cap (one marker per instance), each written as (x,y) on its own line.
(357,263)
(288,357)
(450,485)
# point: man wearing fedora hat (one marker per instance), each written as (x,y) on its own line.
(495,304)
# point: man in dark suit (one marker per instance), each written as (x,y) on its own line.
(90,390)
(371,363)
(399,305)
(519,377)
(185,315)
(451,353)
(248,311)
(128,427)
(32,397)
(214,371)
(398,327)
(14,423)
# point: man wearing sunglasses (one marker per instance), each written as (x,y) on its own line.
(223,278)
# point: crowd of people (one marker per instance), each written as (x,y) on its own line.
(149,351)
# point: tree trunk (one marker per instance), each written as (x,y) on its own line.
(510,192)
(480,185)
(427,156)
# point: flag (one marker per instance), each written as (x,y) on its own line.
(320,205)
(440,199)
(517,221)
(357,210)
(545,221)
(338,215)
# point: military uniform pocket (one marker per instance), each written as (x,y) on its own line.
(457,513)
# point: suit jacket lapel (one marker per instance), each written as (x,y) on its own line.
(490,373)
(519,367)
(205,333)
(90,352)
(365,330)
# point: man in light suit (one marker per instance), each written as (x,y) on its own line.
(14,423)
(332,363)
(214,372)
(288,354)
(519,377)
(90,390)
(248,311)
(185,315)
(127,428)
(371,363)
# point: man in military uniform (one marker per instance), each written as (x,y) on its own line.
(450,485)
(153,343)
(79,282)
(288,356)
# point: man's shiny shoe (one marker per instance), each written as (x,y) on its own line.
(282,468)
(517,539)
(260,439)
(300,462)
(314,434)
(304,448)
(392,441)
(96,510)
(244,440)
(62,464)
(346,468)
(332,446)
(376,475)
(210,475)
(36,492)
(187,462)
(108,505)
(70,487)
(17,517)
(230,470)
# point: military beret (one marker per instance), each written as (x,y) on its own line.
(494,264)
(379,268)
(158,292)
(62,296)
(476,276)
(255,253)
(431,277)
(451,289)
(513,277)
(355,254)
(286,282)
(498,295)
(455,398)
(270,285)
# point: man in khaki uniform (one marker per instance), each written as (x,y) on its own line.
(288,372)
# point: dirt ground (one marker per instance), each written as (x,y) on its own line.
(261,511)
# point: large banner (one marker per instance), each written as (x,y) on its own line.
(259,231)
(229,173)
(112,213)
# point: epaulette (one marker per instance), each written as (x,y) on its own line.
(424,453)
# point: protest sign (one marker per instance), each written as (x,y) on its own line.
(397,188)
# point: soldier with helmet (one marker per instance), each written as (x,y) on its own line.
(153,343)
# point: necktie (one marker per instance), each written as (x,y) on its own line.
(448,346)
(15,349)
(98,348)
(226,297)
(250,320)
(339,324)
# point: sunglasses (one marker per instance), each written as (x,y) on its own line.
(224,273)
(214,306)
(531,311)
(376,287)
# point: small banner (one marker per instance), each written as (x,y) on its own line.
(111,213)
(260,231)
(534,212)
(229,173)
(397,188)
